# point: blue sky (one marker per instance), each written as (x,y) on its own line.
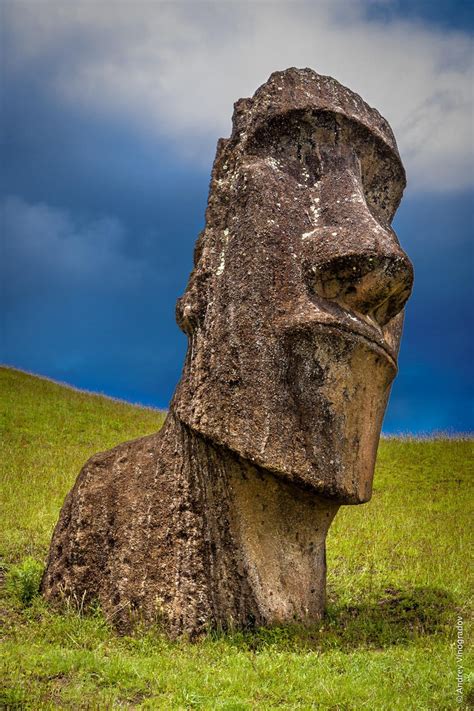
(109,121)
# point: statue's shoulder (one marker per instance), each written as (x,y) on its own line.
(125,452)
(125,466)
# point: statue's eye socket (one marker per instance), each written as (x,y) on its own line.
(382,188)
(313,164)
(291,141)
(294,152)
(302,162)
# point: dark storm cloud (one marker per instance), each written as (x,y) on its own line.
(99,223)
(173,69)
(49,249)
(454,14)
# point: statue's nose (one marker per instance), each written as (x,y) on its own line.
(372,282)
(354,255)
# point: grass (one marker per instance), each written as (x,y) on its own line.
(399,578)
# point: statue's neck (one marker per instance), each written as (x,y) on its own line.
(270,533)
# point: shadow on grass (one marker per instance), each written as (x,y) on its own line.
(397,617)
(394,616)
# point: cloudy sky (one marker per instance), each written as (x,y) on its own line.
(110,115)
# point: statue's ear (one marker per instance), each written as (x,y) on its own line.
(191,307)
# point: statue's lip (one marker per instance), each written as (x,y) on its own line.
(333,314)
(376,344)
(323,316)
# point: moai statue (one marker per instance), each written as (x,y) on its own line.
(293,313)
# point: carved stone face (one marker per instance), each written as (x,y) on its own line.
(294,309)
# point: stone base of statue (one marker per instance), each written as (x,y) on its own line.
(170,529)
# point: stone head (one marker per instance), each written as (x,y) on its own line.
(294,308)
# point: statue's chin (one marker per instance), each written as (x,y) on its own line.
(309,409)
(338,385)
(324,434)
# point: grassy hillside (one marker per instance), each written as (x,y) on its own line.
(399,578)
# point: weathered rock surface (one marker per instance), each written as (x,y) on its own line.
(293,314)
